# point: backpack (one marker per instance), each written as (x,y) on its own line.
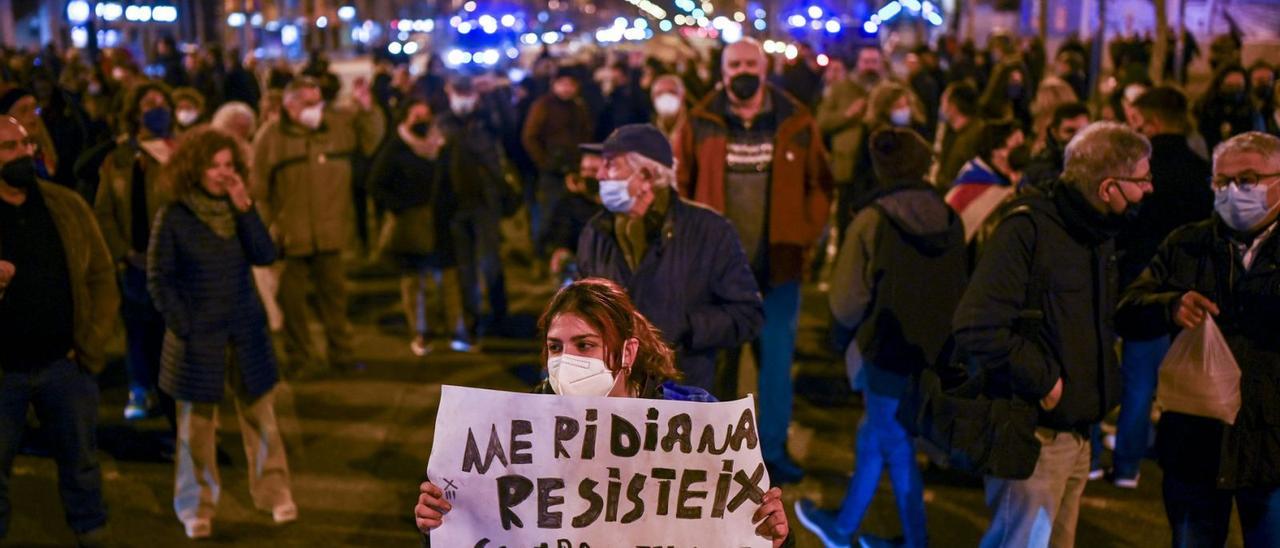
(951,405)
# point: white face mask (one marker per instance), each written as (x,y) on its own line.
(462,105)
(1242,209)
(666,105)
(900,117)
(312,116)
(571,375)
(187,116)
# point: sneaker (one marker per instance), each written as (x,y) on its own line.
(1126,483)
(784,471)
(420,347)
(459,345)
(821,523)
(1097,474)
(138,407)
(198,528)
(285,513)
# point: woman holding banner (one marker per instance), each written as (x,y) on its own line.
(597,344)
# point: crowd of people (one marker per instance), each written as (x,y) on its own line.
(993,206)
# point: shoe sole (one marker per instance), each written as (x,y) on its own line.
(815,529)
(1126,483)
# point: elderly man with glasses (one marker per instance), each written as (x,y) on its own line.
(1227,267)
(1037,317)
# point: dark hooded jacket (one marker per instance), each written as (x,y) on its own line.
(899,275)
(1028,339)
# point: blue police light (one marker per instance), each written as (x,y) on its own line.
(833,26)
(815,12)
(797,21)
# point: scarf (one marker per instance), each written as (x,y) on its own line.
(214,212)
(422,146)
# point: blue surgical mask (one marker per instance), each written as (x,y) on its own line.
(614,195)
(1241,209)
(158,121)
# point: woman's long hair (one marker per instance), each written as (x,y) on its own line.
(608,310)
(194,152)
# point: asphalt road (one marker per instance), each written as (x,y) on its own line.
(358,445)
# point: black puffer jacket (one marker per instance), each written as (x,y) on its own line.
(1201,257)
(1065,246)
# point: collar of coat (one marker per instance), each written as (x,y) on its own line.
(604,222)
(790,113)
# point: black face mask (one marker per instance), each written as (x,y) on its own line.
(1020,157)
(1131,210)
(420,129)
(744,86)
(19,173)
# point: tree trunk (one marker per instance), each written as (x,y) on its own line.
(1160,50)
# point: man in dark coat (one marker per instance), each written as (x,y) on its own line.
(1180,197)
(58,308)
(1061,243)
(1227,267)
(681,263)
(472,163)
(556,123)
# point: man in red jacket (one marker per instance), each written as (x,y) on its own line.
(754,154)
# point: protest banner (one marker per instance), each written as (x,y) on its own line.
(530,470)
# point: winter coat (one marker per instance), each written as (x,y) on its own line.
(799,185)
(400,179)
(202,285)
(1065,248)
(1201,257)
(898,277)
(1182,195)
(694,284)
(95,297)
(842,130)
(114,201)
(473,156)
(955,149)
(552,132)
(302,178)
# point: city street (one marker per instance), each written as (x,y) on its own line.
(358,446)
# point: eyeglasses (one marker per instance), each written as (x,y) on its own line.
(1144,180)
(14,144)
(1243,181)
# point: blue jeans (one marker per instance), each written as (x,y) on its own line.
(549,191)
(476,242)
(1200,514)
(883,442)
(144,331)
(1139,371)
(777,346)
(65,399)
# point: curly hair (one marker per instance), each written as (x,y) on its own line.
(608,310)
(194,152)
(133,99)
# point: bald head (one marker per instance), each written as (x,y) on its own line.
(743,62)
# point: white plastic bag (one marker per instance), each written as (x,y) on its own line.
(1199,376)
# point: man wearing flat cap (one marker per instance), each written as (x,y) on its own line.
(680,262)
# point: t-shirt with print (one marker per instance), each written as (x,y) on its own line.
(748,166)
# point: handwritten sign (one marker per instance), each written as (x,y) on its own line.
(532,470)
